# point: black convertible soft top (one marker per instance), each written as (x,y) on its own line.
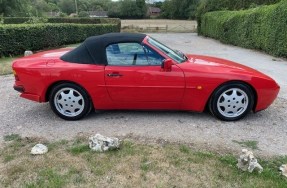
(93,49)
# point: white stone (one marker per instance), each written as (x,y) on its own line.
(28,52)
(39,149)
(102,143)
(283,169)
(247,161)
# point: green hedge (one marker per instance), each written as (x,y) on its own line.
(116,21)
(205,6)
(15,20)
(15,39)
(263,28)
(84,20)
(21,20)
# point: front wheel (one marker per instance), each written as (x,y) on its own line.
(69,101)
(231,102)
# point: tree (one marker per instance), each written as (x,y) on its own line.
(114,10)
(142,8)
(39,7)
(179,9)
(158,4)
(67,6)
(14,7)
(131,9)
(123,8)
(84,14)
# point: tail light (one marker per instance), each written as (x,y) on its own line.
(16,76)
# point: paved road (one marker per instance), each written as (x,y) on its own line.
(268,127)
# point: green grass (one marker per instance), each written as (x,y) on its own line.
(54,179)
(184,149)
(5,65)
(8,158)
(12,137)
(73,164)
(252,144)
(75,150)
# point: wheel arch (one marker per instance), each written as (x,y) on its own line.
(54,84)
(255,95)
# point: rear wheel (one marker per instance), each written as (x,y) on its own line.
(232,101)
(69,101)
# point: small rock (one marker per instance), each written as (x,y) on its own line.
(39,149)
(283,169)
(247,161)
(102,143)
(28,52)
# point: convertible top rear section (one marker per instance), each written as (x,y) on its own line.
(93,49)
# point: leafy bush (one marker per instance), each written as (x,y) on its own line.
(15,39)
(85,20)
(263,28)
(179,9)
(205,6)
(216,5)
(21,20)
(84,14)
(15,20)
(33,20)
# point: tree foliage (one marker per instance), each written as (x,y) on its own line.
(179,9)
(122,8)
(132,9)
(13,7)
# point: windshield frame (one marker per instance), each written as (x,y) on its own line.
(166,50)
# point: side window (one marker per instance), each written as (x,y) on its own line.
(126,54)
(153,57)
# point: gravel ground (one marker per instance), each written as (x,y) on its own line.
(202,131)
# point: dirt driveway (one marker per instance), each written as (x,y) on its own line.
(268,128)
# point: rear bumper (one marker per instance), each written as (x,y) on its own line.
(31,97)
(28,96)
(19,88)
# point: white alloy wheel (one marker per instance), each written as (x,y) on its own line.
(69,102)
(232,103)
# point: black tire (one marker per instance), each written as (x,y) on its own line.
(70,101)
(231,102)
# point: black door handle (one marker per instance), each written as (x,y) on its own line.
(114,75)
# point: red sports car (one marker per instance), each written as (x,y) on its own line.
(135,71)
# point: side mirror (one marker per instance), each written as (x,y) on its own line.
(166,65)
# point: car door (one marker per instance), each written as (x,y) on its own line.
(134,74)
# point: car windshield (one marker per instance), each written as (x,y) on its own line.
(177,56)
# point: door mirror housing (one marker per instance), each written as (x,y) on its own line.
(166,65)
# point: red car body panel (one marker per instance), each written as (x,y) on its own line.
(210,72)
(188,86)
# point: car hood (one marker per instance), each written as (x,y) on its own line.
(215,65)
